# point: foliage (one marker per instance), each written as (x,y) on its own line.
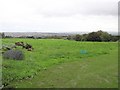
(2,35)
(84,37)
(13,54)
(94,36)
(115,38)
(78,37)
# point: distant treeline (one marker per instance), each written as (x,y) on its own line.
(99,36)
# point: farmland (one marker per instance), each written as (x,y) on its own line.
(59,63)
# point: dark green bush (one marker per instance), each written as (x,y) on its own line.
(13,54)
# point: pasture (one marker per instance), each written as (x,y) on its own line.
(60,63)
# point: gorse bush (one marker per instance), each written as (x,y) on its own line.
(13,54)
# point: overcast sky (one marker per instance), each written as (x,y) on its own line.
(58,15)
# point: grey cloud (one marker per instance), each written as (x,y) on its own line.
(90,8)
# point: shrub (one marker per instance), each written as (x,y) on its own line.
(13,54)
(78,37)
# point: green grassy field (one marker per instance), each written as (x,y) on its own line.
(59,63)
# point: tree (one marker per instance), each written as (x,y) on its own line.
(93,37)
(3,35)
(0,35)
(84,37)
(69,37)
(78,37)
(115,38)
(104,35)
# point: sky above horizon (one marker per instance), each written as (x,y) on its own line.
(58,15)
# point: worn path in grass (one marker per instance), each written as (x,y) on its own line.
(100,71)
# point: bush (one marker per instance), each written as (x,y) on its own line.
(78,37)
(13,54)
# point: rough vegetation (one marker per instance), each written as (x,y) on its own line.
(14,47)
(13,54)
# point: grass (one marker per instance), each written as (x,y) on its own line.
(99,64)
(90,72)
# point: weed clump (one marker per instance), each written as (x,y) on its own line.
(13,54)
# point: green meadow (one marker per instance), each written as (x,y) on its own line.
(57,63)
